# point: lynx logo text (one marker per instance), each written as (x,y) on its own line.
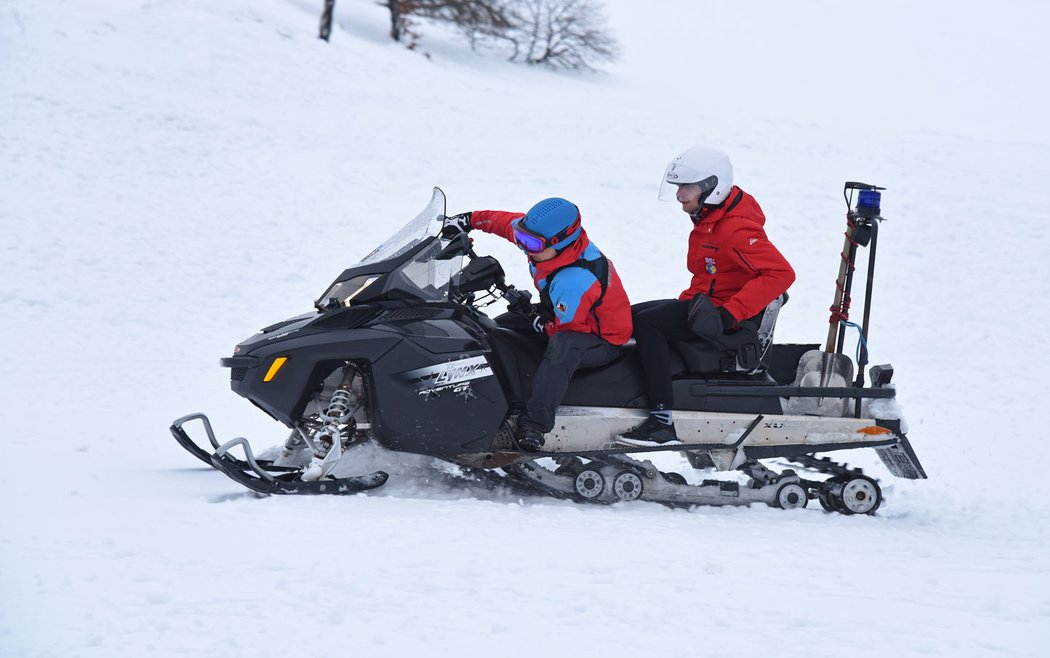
(455,376)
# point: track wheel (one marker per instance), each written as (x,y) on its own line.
(589,484)
(859,495)
(674,478)
(824,496)
(627,486)
(792,496)
(830,494)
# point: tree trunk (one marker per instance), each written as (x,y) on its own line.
(396,19)
(326,19)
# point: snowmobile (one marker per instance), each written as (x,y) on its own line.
(398,351)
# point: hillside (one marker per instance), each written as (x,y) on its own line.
(176,175)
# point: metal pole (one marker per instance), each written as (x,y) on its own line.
(865,324)
(867,300)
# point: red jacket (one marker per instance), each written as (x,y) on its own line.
(733,261)
(574,290)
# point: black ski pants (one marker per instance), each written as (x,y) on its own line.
(567,351)
(656,323)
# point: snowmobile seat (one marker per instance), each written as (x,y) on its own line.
(745,351)
(618,383)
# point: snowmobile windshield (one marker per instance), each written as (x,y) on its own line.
(427,223)
(424,276)
(409,266)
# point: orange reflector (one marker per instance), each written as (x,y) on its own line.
(874,429)
(274,367)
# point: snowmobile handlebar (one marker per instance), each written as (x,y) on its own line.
(518,301)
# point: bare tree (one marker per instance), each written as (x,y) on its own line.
(397,17)
(467,14)
(568,34)
(481,15)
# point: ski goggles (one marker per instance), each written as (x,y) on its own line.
(534,243)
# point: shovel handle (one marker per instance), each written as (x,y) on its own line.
(841,294)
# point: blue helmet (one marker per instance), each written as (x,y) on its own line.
(557,220)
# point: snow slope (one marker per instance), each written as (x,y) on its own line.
(175,175)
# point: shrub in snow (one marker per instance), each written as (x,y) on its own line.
(561,34)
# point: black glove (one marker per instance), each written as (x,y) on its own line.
(546,314)
(728,321)
(704,318)
(540,318)
(519,301)
(456,224)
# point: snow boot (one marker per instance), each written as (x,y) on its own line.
(652,432)
(528,437)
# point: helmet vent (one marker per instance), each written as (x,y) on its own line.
(544,208)
(551,216)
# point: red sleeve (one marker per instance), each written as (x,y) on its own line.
(753,250)
(497,222)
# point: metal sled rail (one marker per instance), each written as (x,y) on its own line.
(287,483)
(263,476)
(191,446)
(186,442)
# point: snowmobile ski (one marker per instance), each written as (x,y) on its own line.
(263,476)
(292,483)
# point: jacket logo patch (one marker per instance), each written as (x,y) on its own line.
(561,307)
(752,241)
(709,265)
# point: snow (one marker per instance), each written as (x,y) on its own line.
(175,175)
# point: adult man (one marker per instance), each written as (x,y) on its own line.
(583,307)
(736,273)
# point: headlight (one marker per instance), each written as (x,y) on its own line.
(341,293)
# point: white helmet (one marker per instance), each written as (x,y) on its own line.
(707,166)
